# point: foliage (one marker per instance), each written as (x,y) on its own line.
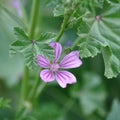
(98,30)
(102,35)
(91,27)
(114,114)
(31,48)
(91,94)
(4,103)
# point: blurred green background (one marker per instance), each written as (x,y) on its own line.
(90,99)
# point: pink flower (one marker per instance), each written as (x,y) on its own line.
(54,70)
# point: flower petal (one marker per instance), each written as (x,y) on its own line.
(47,75)
(64,77)
(43,62)
(57,50)
(71,60)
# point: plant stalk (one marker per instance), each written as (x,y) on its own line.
(33,91)
(34,16)
(63,27)
(24,87)
(40,89)
(25,84)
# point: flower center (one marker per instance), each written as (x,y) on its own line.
(54,67)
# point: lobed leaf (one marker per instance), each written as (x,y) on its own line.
(18,46)
(58,10)
(31,48)
(20,34)
(99,33)
(47,37)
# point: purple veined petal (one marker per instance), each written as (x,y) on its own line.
(71,60)
(43,62)
(64,77)
(47,75)
(57,50)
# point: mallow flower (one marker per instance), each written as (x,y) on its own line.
(54,70)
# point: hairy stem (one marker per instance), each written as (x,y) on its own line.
(63,27)
(33,91)
(40,89)
(24,87)
(34,16)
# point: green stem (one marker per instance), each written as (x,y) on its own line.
(40,89)
(33,21)
(24,89)
(35,9)
(34,15)
(33,91)
(63,27)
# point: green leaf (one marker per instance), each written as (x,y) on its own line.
(87,45)
(58,10)
(99,33)
(111,67)
(4,103)
(115,111)
(64,8)
(91,94)
(44,114)
(30,56)
(114,1)
(20,34)
(18,46)
(31,48)
(47,37)
(45,50)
